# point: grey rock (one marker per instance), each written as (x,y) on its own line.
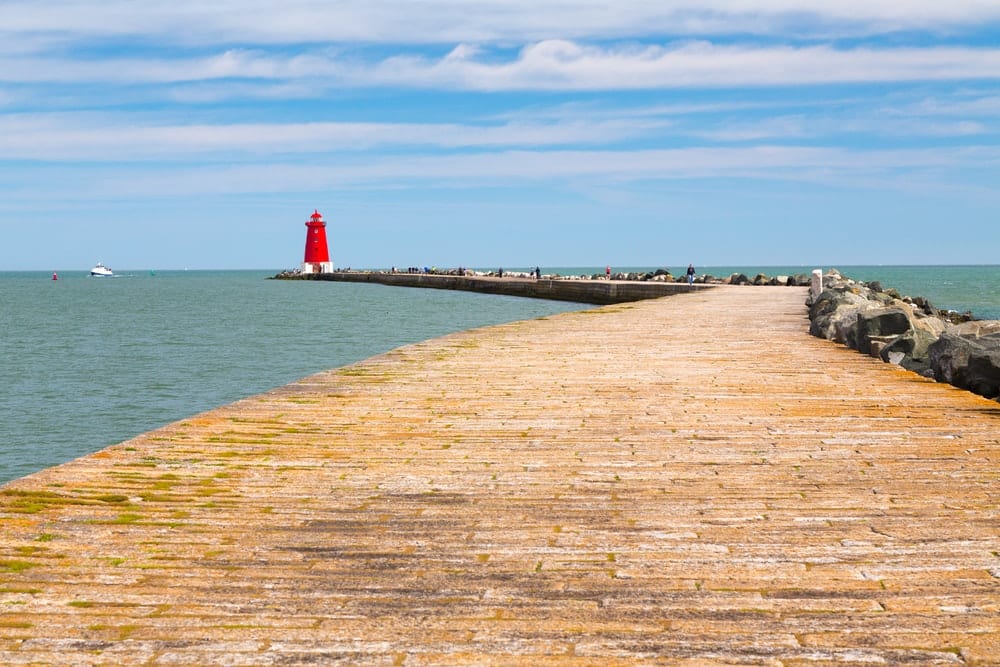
(934,326)
(834,315)
(881,322)
(738,279)
(975,328)
(910,351)
(968,363)
(909,332)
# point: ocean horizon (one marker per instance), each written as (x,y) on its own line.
(90,362)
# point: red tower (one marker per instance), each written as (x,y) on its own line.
(317,257)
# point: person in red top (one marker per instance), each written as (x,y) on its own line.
(607,272)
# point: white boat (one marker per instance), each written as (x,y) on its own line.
(101,270)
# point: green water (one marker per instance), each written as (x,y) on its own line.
(87,362)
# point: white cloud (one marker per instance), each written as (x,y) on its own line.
(99,138)
(561,65)
(233,63)
(879,123)
(987,106)
(831,166)
(451,21)
(549,65)
(786,127)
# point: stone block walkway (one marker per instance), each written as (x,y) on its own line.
(691,480)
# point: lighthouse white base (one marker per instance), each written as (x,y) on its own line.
(317,267)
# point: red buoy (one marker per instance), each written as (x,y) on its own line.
(317,255)
(55,276)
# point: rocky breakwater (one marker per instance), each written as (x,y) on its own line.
(909,332)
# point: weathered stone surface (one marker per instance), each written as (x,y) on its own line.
(881,322)
(834,315)
(975,328)
(738,279)
(968,363)
(692,491)
(799,280)
(911,351)
(932,326)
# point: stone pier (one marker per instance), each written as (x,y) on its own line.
(687,480)
(601,292)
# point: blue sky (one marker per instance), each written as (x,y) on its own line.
(196,134)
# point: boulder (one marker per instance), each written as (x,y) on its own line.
(910,351)
(834,314)
(968,363)
(880,323)
(934,326)
(738,279)
(975,328)
(799,280)
(922,305)
(910,332)
(955,317)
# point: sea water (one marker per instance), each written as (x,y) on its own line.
(88,362)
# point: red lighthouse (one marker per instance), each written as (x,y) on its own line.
(317,257)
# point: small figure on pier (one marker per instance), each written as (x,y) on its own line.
(607,272)
(690,274)
(500,272)
(538,273)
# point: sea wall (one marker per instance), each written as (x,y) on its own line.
(908,331)
(600,292)
(597,289)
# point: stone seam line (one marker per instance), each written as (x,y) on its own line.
(689,480)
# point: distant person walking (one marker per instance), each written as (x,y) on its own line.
(607,272)
(538,273)
(690,274)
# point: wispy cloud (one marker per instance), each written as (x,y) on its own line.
(959,104)
(230,103)
(145,136)
(550,65)
(452,21)
(563,65)
(831,166)
(882,124)
(115,137)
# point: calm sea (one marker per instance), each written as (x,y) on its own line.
(88,362)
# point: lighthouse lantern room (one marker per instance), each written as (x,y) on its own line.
(317,256)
